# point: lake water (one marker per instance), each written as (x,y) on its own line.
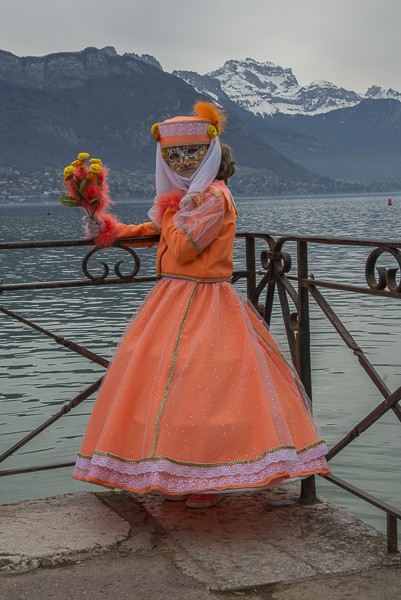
(37,376)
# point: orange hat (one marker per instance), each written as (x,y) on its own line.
(205,124)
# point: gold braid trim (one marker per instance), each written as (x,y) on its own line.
(215,193)
(171,373)
(205,465)
(198,200)
(196,279)
(194,244)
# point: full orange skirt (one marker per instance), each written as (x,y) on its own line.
(198,398)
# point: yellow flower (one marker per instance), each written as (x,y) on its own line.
(83,155)
(77,163)
(68,171)
(95,168)
(212,131)
(95,161)
(155,131)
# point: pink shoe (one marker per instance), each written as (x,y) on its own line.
(176,497)
(204,500)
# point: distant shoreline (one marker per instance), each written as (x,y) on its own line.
(22,202)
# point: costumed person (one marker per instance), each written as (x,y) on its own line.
(199,400)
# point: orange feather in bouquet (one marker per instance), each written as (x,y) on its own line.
(87,188)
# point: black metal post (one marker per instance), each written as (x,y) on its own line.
(308,486)
(392,541)
(250,266)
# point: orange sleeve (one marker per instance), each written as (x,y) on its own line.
(180,245)
(128,231)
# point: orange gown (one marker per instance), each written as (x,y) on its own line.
(198,396)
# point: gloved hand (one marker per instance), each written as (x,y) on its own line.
(93,226)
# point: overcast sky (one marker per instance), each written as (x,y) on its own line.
(352,43)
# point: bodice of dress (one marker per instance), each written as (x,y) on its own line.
(196,235)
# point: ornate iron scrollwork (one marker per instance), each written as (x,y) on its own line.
(116,268)
(274,263)
(386,277)
(284,258)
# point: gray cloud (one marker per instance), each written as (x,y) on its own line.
(353,43)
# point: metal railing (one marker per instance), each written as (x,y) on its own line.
(269,274)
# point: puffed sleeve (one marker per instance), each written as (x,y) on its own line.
(194,226)
(201,219)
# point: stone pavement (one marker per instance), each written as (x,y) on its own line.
(262,545)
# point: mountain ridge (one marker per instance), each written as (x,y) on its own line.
(96,100)
(55,106)
(266,89)
(330,131)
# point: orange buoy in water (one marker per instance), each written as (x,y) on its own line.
(389,202)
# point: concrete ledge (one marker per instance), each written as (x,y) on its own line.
(56,530)
(267,538)
(259,543)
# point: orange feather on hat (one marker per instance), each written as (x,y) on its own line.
(208,110)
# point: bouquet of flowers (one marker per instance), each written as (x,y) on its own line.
(87,188)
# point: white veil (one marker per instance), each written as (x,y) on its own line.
(167,180)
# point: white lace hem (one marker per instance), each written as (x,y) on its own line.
(172,477)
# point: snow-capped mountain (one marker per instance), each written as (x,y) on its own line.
(322,96)
(265,89)
(376,92)
(257,87)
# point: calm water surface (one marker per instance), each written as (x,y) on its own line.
(37,376)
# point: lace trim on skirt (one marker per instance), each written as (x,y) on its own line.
(172,477)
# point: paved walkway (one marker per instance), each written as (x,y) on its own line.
(261,546)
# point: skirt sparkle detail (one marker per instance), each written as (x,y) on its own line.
(198,397)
